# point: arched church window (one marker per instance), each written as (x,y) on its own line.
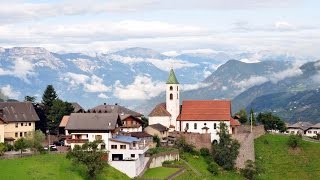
(171,96)
(195,126)
(177,88)
(187,125)
(171,88)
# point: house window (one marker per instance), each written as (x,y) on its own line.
(16,125)
(171,96)
(103,146)
(195,126)
(314,132)
(98,137)
(16,134)
(171,88)
(309,132)
(21,124)
(122,146)
(20,134)
(25,134)
(214,126)
(133,155)
(134,144)
(29,124)
(113,146)
(26,124)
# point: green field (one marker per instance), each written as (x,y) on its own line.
(53,166)
(199,164)
(160,172)
(281,162)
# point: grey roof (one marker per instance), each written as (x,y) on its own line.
(159,127)
(316,126)
(125,139)
(18,112)
(301,125)
(93,121)
(77,107)
(113,109)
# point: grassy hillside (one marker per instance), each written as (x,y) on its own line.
(50,166)
(281,162)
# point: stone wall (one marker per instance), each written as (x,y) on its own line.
(257,130)
(196,139)
(246,151)
(158,159)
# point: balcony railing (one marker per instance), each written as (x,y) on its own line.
(77,140)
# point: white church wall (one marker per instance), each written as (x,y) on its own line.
(164,120)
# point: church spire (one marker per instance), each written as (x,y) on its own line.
(172,78)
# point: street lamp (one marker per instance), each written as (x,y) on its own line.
(48,132)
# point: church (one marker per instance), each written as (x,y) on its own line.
(193,116)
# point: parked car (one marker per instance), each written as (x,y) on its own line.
(52,148)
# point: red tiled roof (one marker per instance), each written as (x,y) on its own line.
(234,122)
(205,110)
(160,110)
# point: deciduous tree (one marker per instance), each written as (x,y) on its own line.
(89,155)
(21,145)
(243,117)
(271,122)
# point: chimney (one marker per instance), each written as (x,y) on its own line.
(116,104)
(104,103)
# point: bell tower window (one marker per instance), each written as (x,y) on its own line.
(171,96)
(171,88)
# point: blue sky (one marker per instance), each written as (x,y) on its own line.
(286,26)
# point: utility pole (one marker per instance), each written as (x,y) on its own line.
(48,132)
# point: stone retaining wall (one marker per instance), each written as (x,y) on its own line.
(196,139)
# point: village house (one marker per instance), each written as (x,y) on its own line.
(125,153)
(194,116)
(313,130)
(298,128)
(143,136)
(157,130)
(116,109)
(131,123)
(17,119)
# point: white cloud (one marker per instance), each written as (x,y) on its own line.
(252,81)
(103,96)
(85,65)
(90,83)
(283,25)
(188,87)
(21,68)
(171,53)
(10,92)
(163,64)
(198,51)
(142,88)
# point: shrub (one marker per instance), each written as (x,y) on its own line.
(204,152)
(3,148)
(183,146)
(9,146)
(294,141)
(250,171)
(156,139)
(213,168)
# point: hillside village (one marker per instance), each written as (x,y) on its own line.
(127,136)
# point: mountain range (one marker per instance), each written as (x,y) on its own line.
(135,77)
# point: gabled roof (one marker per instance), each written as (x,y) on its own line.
(93,121)
(123,117)
(64,121)
(140,134)
(234,122)
(18,112)
(172,78)
(159,127)
(113,109)
(301,125)
(316,126)
(160,110)
(205,110)
(77,107)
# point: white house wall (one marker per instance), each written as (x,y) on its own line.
(91,137)
(131,168)
(312,132)
(164,120)
(200,125)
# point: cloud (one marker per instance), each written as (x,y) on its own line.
(103,96)
(90,84)
(283,25)
(85,65)
(198,51)
(142,88)
(163,64)
(252,81)
(189,87)
(21,69)
(9,92)
(171,53)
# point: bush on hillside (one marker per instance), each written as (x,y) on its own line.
(183,146)
(156,139)
(204,152)
(294,141)
(250,171)
(213,167)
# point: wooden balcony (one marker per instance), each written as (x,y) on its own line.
(77,141)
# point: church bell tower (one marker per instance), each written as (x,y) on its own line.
(173,97)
